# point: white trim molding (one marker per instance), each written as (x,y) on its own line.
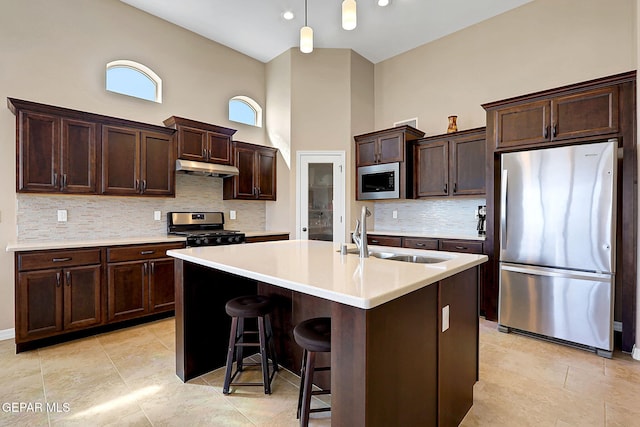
(636,352)
(7,334)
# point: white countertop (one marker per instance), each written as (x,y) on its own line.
(428,235)
(317,268)
(66,244)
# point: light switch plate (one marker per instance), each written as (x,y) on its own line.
(157,215)
(62,215)
(445,318)
(395,214)
(232,214)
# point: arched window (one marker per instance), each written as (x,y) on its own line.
(245,110)
(133,79)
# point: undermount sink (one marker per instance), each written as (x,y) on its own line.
(392,256)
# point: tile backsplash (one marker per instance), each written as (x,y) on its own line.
(438,217)
(107,217)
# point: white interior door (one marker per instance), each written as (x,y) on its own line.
(320,196)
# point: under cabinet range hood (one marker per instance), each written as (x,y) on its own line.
(206,169)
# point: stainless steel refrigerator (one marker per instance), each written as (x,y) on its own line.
(557,243)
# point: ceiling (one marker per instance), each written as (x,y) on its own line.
(257,28)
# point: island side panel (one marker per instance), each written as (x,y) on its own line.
(458,349)
(202,324)
(384,362)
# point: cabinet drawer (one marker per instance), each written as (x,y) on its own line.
(467,246)
(57,259)
(140,252)
(395,241)
(420,243)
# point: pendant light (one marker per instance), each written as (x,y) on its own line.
(306,34)
(349,20)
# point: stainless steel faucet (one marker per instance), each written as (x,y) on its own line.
(360,233)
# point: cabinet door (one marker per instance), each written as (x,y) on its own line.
(432,169)
(585,114)
(78,157)
(192,144)
(39,304)
(157,164)
(366,153)
(128,290)
(523,124)
(82,297)
(390,148)
(245,182)
(120,161)
(266,174)
(161,285)
(38,152)
(219,148)
(467,166)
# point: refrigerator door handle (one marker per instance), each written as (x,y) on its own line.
(551,272)
(503,210)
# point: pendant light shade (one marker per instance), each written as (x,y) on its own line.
(349,20)
(306,39)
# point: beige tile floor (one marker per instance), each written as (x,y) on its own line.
(127,377)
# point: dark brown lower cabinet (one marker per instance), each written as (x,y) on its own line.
(58,292)
(51,300)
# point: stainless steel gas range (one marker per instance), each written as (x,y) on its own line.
(202,228)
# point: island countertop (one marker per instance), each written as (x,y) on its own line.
(317,268)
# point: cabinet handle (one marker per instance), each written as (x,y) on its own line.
(144,185)
(68,278)
(147,252)
(420,244)
(204,153)
(61,259)
(455,187)
(57,280)
(55,179)
(545,132)
(64,180)
(153,268)
(375,241)
(554,131)
(446,187)
(461,247)
(137,184)
(146,268)
(209,154)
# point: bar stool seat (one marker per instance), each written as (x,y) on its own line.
(314,336)
(241,308)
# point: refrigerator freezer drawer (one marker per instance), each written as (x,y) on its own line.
(568,305)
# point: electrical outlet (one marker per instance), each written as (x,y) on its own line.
(62,215)
(157,215)
(232,214)
(445,318)
(395,214)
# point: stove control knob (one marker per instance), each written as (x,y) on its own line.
(198,242)
(238,238)
(230,239)
(206,241)
(219,240)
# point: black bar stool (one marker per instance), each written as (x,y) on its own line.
(251,306)
(313,335)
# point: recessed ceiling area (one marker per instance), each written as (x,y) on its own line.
(257,27)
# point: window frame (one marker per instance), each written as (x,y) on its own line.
(251,103)
(142,69)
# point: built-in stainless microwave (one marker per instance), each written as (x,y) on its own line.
(379,181)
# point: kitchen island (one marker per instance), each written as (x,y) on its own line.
(404,335)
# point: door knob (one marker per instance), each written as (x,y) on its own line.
(304,228)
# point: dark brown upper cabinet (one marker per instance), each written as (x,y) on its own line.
(202,142)
(55,153)
(137,162)
(257,177)
(451,164)
(384,146)
(574,115)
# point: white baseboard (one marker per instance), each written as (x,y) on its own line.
(7,334)
(636,352)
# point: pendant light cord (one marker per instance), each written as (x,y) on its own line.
(305,13)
